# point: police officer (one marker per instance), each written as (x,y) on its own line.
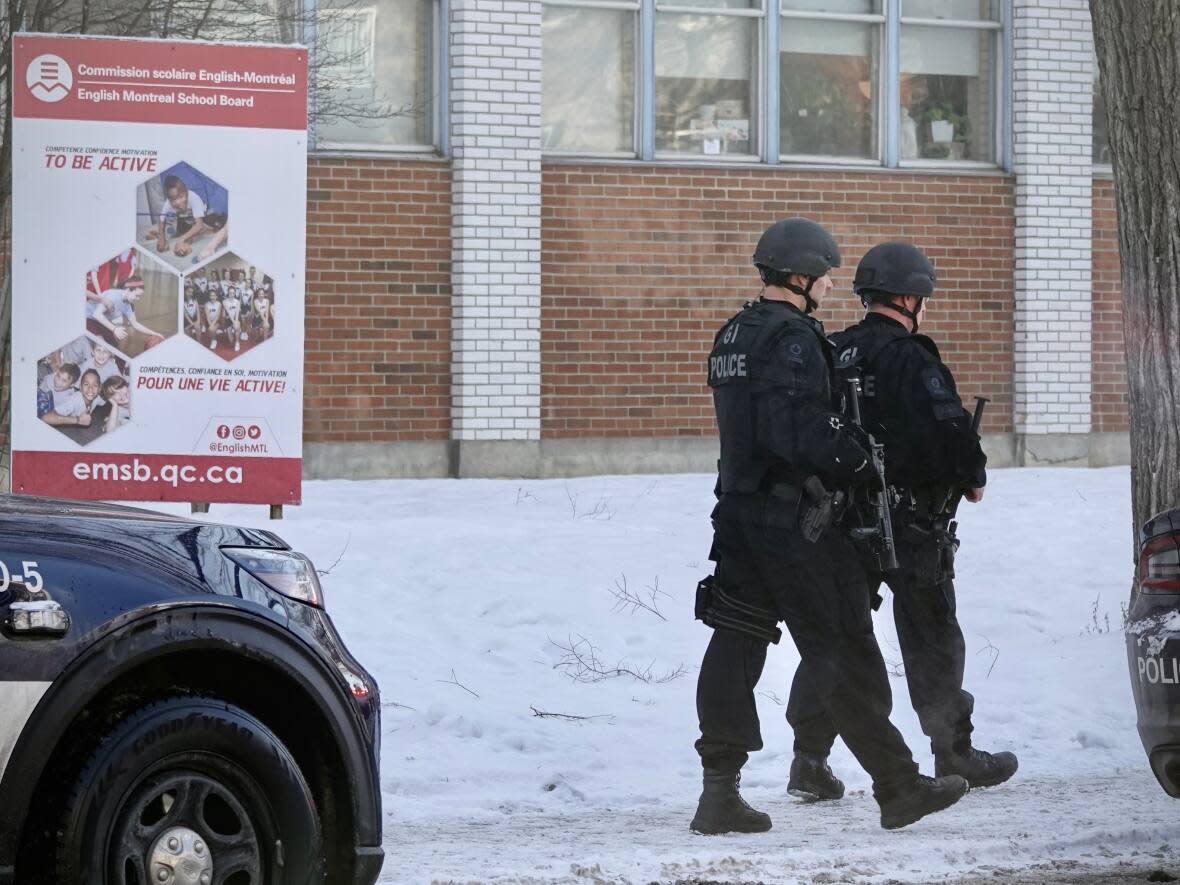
(932,455)
(784,450)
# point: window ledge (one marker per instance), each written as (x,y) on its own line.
(423,154)
(979,169)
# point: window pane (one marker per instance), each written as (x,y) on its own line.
(871,7)
(828,97)
(1101,132)
(947,101)
(373,73)
(962,10)
(587,79)
(705,84)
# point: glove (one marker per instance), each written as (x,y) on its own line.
(853,451)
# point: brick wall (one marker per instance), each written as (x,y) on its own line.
(1109,375)
(378,358)
(641,265)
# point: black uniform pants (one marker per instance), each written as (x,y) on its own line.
(933,652)
(820,591)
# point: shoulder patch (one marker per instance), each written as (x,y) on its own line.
(936,385)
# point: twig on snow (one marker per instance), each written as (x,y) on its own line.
(994,651)
(327,571)
(398,706)
(625,598)
(567,717)
(580,661)
(454,680)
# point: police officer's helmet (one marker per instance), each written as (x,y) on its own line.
(890,269)
(795,245)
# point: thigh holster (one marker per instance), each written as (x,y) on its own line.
(721,611)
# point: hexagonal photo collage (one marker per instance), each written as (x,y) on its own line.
(133,302)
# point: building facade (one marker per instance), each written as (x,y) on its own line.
(516,268)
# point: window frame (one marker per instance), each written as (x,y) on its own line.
(868,18)
(758,78)
(438,86)
(633,6)
(1002,65)
(889,22)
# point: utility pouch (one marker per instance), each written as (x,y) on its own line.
(704,598)
(820,510)
(717,609)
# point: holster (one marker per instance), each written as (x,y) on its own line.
(721,611)
(819,509)
(932,544)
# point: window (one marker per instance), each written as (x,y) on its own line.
(893,82)
(947,83)
(707,66)
(588,79)
(373,71)
(829,78)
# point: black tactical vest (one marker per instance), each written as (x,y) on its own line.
(743,345)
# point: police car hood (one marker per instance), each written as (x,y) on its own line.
(80,513)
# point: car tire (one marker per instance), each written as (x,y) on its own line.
(199,787)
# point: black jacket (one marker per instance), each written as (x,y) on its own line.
(911,405)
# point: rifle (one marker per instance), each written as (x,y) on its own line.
(880,537)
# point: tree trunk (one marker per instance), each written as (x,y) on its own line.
(1138,46)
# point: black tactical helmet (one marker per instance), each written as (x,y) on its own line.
(795,245)
(893,269)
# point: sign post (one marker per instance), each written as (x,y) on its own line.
(159,206)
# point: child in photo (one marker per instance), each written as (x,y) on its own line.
(64,402)
(109,317)
(187,214)
(262,317)
(115,409)
(103,361)
(193,315)
(213,321)
(232,321)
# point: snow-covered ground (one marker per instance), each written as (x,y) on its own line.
(468,599)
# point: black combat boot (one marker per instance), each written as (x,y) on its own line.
(723,810)
(981,769)
(812,778)
(925,795)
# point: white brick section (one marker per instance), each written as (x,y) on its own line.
(1052,120)
(496,219)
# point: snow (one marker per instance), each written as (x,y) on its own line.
(465,598)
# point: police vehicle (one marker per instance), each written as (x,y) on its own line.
(175,707)
(1153,647)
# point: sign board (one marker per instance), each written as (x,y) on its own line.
(159,214)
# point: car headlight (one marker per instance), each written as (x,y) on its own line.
(283,571)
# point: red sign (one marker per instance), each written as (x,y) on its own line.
(116,476)
(202,84)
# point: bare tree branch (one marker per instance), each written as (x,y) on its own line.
(454,680)
(626,598)
(580,661)
(568,717)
